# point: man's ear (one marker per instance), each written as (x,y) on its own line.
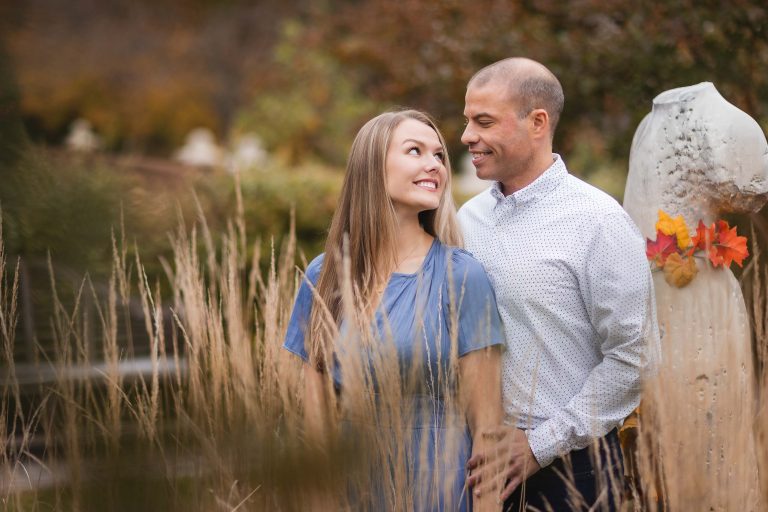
(539,122)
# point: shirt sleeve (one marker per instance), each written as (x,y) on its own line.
(617,290)
(479,323)
(298,326)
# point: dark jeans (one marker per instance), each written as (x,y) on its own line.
(575,482)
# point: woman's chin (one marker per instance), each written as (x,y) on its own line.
(429,207)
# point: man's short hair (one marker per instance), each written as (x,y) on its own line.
(529,83)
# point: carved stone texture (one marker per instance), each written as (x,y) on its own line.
(698,156)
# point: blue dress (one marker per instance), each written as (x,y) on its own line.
(416,313)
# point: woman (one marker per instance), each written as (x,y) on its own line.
(419,305)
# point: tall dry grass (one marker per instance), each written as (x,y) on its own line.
(212,422)
(215,421)
(759,314)
(702,443)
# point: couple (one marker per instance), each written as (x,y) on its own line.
(548,309)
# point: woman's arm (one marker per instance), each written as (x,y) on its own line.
(316,403)
(317,425)
(480,392)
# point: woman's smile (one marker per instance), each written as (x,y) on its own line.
(428,184)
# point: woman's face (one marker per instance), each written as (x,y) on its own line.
(415,166)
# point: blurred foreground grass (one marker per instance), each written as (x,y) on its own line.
(213,418)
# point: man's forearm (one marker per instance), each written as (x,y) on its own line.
(605,399)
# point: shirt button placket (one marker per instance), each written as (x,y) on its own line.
(507,209)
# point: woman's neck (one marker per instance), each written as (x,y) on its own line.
(411,244)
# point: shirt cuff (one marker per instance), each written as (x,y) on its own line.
(544,444)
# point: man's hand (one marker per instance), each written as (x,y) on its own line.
(503,462)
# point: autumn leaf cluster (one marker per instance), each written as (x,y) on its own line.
(674,249)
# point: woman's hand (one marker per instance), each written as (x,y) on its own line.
(487,501)
(503,463)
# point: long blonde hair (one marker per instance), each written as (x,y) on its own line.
(365,216)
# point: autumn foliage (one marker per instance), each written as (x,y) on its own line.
(145,73)
(674,249)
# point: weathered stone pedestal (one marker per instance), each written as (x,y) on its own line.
(698,156)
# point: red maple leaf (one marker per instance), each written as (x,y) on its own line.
(657,251)
(730,247)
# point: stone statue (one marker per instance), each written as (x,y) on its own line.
(698,156)
(200,149)
(248,153)
(81,138)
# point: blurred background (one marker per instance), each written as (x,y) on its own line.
(131,115)
(129,120)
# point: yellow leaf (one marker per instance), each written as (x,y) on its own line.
(679,270)
(665,224)
(683,237)
(676,226)
(629,430)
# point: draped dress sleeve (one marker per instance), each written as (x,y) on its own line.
(298,326)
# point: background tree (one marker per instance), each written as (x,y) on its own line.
(612,57)
(144,73)
(312,106)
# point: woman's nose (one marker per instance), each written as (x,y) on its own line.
(433,163)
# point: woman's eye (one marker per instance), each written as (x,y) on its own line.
(414,151)
(440,157)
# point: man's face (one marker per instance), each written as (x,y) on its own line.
(499,141)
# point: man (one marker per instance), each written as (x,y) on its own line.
(574,292)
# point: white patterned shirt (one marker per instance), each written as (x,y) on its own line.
(575,294)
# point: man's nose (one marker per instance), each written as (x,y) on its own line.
(469,136)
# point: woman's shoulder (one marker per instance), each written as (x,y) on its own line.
(314,268)
(467,280)
(464,265)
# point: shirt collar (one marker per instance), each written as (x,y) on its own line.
(540,187)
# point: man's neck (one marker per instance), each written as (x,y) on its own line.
(536,168)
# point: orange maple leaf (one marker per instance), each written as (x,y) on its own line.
(658,250)
(704,237)
(705,240)
(730,247)
(714,256)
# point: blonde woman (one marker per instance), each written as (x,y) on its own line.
(427,302)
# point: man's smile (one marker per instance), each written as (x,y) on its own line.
(478,155)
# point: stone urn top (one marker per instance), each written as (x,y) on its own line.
(683,94)
(695,155)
